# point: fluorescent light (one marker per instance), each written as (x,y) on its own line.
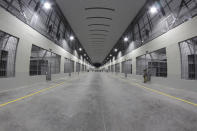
(153,10)
(71,38)
(126,39)
(47,5)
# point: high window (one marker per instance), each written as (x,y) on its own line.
(68,66)
(188,51)
(8,46)
(155,63)
(43,61)
(127,67)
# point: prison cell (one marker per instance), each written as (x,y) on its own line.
(188,50)
(8,47)
(127,67)
(155,63)
(68,66)
(43,61)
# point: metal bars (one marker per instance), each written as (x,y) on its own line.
(155,63)
(8,47)
(117,68)
(188,50)
(68,66)
(43,62)
(127,67)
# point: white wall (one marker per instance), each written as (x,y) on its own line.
(28,36)
(169,41)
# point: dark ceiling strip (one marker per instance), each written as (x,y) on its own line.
(99,30)
(99,8)
(98,17)
(99,34)
(99,25)
(97,38)
(96,41)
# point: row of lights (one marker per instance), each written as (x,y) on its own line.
(48,6)
(73,38)
(153,10)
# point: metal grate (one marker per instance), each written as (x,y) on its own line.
(127,67)
(68,66)
(8,47)
(78,67)
(188,50)
(155,63)
(43,62)
(117,68)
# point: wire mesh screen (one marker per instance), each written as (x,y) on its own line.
(41,61)
(8,47)
(188,50)
(68,66)
(155,63)
(127,67)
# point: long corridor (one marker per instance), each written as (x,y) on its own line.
(94,102)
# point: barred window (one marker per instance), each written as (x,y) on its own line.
(78,67)
(68,66)
(127,67)
(155,63)
(188,50)
(117,68)
(43,61)
(8,47)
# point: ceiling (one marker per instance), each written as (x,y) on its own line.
(99,24)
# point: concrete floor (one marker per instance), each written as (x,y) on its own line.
(96,102)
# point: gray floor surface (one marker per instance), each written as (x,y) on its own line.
(95,102)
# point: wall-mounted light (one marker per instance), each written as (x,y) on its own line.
(47,5)
(153,10)
(126,39)
(71,38)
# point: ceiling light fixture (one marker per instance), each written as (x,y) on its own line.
(126,39)
(115,50)
(80,49)
(47,5)
(72,38)
(153,10)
